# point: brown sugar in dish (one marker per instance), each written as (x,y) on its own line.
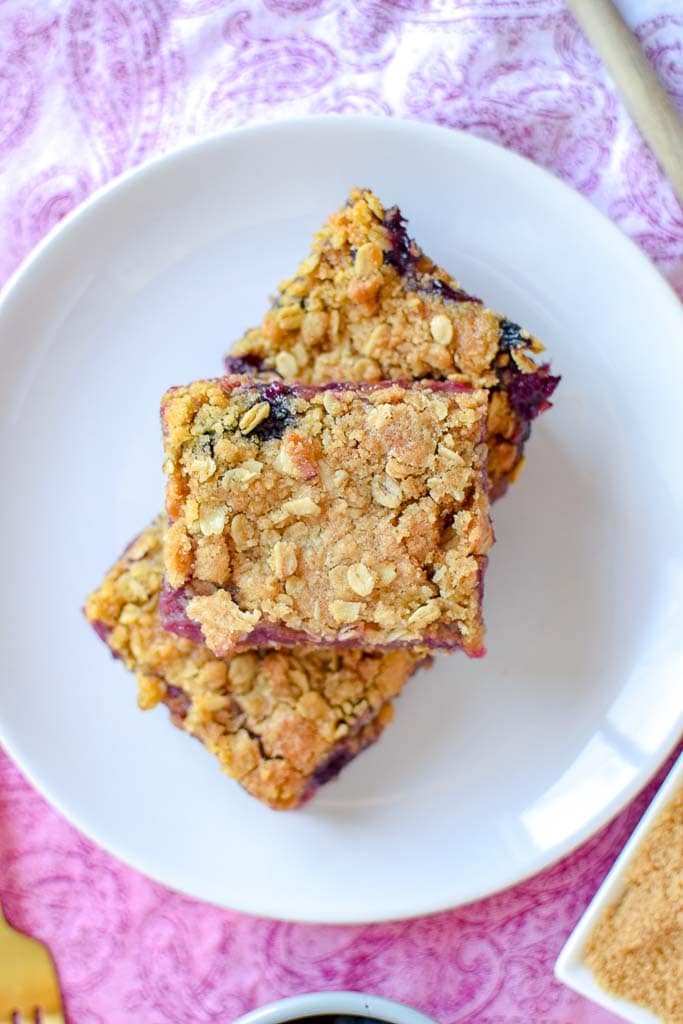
(636,949)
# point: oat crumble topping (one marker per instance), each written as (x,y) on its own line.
(280,722)
(347,515)
(312,528)
(369,305)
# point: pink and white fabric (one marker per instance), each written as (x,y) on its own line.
(89,88)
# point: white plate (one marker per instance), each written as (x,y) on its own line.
(494,768)
(570,968)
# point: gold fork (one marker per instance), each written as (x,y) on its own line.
(29,990)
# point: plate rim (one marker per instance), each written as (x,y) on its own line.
(659,288)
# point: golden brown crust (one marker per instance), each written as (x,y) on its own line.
(356,515)
(278,722)
(369,305)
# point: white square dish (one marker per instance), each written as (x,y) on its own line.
(570,968)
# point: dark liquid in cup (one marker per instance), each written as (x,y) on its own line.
(336,1018)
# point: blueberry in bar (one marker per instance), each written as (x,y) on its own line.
(368,304)
(280,723)
(346,515)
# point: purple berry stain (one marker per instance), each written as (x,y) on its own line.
(181,702)
(529,393)
(436,286)
(172,605)
(332,767)
(403,253)
(249,364)
(103,632)
(511,335)
(280,417)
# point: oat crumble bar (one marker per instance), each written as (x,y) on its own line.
(368,305)
(281,723)
(347,515)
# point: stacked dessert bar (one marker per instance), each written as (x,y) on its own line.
(327,508)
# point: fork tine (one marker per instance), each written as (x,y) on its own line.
(28,980)
(16,1017)
(40,1017)
(35,1015)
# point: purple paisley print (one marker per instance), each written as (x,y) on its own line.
(89,88)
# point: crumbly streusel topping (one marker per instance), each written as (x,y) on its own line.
(352,514)
(278,722)
(369,305)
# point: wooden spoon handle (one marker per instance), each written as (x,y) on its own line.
(643,93)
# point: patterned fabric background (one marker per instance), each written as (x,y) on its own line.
(91,87)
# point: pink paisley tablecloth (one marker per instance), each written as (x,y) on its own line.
(90,87)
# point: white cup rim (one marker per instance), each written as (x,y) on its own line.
(315,1004)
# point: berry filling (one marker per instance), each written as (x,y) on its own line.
(172,609)
(435,286)
(511,335)
(279,419)
(332,767)
(529,393)
(404,255)
(248,364)
(101,630)
(174,618)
